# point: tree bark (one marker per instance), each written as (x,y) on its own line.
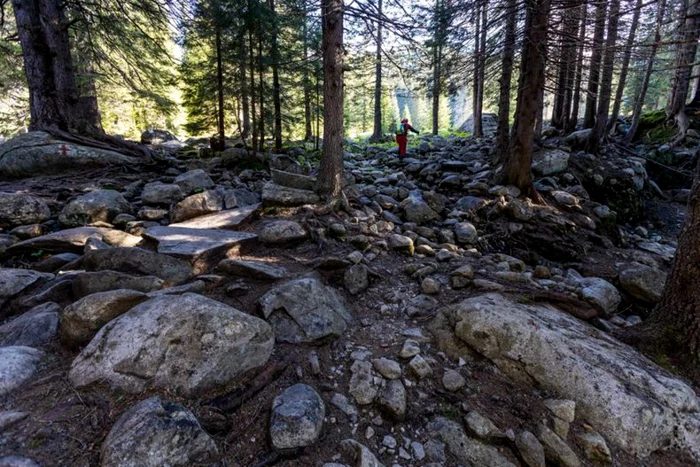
(330,177)
(641,97)
(437,63)
(377,133)
(245,131)
(596,58)
(261,94)
(517,170)
(622,80)
(482,60)
(220,89)
(601,120)
(253,109)
(308,133)
(276,91)
(476,111)
(576,98)
(502,139)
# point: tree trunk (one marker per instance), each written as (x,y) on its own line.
(641,97)
(502,139)
(437,64)
(622,80)
(261,94)
(557,120)
(377,133)
(308,133)
(276,91)
(576,98)
(517,170)
(476,111)
(253,109)
(601,120)
(54,101)
(220,90)
(245,131)
(330,176)
(596,58)
(675,322)
(685,56)
(482,61)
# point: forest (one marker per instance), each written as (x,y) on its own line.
(349,233)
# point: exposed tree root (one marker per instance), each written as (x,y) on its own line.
(109,143)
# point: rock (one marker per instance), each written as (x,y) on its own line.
(292,180)
(430,286)
(465,449)
(9,418)
(17,365)
(185,343)
(362,456)
(401,243)
(157,136)
(88,283)
(345,406)
(17,461)
(640,409)
(550,161)
(392,398)
(157,433)
(362,387)
(564,198)
(255,269)
(466,233)
(563,409)
(556,449)
(136,260)
(203,249)
(230,219)
(482,427)
(37,152)
(81,320)
(297,417)
(15,281)
(74,240)
(240,197)
(305,310)
(387,368)
(196,205)
(420,367)
(282,232)
(470,203)
(410,349)
(33,328)
(356,279)
(595,447)
(275,195)
(193,180)
(96,206)
(643,283)
(601,293)
(530,449)
(578,139)
(18,209)
(453,381)
(161,194)
(417,210)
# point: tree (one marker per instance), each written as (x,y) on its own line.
(377,132)
(517,170)
(578,74)
(330,175)
(595,64)
(502,139)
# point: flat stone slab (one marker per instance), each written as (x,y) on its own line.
(226,220)
(255,269)
(73,240)
(292,180)
(202,248)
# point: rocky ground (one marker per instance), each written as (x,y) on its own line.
(203,314)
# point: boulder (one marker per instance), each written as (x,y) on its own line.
(161,194)
(157,137)
(96,206)
(80,321)
(292,180)
(360,454)
(88,283)
(626,397)
(196,205)
(255,269)
(17,461)
(550,161)
(139,261)
(578,139)
(14,281)
(17,365)
(37,152)
(74,240)
(239,197)
(21,209)
(230,219)
(193,180)
(184,343)
(466,233)
(466,449)
(643,282)
(305,310)
(276,195)
(297,417)
(156,433)
(601,293)
(33,328)
(282,232)
(417,210)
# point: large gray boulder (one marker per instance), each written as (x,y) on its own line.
(96,206)
(276,195)
(305,310)
(193,180)
(417,210)
(626,397)
(643,282)
(156,433)
(550,161)
(196,205)
(186,343)
(17,365)
(88,283)
(467,450)
(15,281)
(33,328)
(297,417)
(161,194)
(22,209)
(74,240)
(138,261)
(38,152)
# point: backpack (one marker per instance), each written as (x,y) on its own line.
(401,130)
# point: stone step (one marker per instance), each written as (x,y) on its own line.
(202,248)
(225,220)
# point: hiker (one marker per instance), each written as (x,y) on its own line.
(402,136)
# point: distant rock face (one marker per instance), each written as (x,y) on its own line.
(156,433)
(99,205)
(297,417)
(157,137)
(186,343)
(22,209)
(37,153)
(623,395)
(305,310)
